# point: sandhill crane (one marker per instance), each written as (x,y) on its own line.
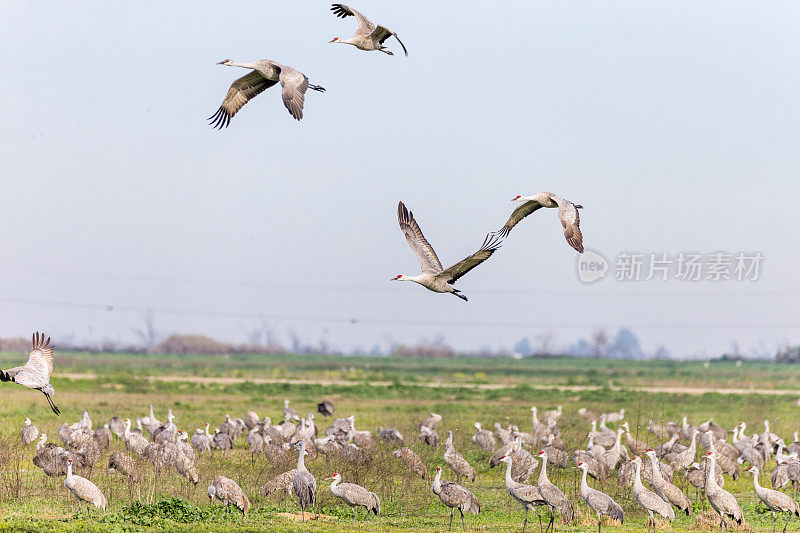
(455,496)
(368,37)
(720,499)
(483,438)
(527,495)
(429,436)
(390,435)
(586,414)
(552,414)
(201,441)
(597,469)
(636,447)
(354,495)
(326,445)
(50,457)
(280,483)
(434,277)
(150,421)
(288,411)
(168,432)
(265,74)
(304,484)
(412,461)
(599,502)
(229,493)
(777,502)
(360,438)
(649,500)
(615,455)
(83,489)
(29,432)
(251,419)
(102,436)
(134,442)
(221,441)
(117,426)
(123,463)
(662,431)
(668,492)
(456,461)
(552,495)
(255,440)
(430,422)
(325,408)
(686,457)
(615,416)
(567,214)
(728,466)
(35,374)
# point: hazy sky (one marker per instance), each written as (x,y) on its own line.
(675,124)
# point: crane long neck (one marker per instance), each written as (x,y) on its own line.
(543,472)
(69,470)
(301,465)
(437,482)
(244,65)
(711,475)
(637,476)
(755,480)
(654,464)
(509,480)
(584,484)
(335,484)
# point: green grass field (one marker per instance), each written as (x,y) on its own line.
(33,502)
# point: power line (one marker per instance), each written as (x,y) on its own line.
(392,321)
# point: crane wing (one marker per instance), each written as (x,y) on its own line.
(294,84)
(517,215)
(342,11)
(40,359)
(571,220)
(242,91)
(382,33)
(419,244)
(490,244)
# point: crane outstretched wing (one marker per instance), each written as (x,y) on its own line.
(40,359)
(490,244)
(419,244)
(364,25)
(242,91)
(571,220)
(517,215)
(382,33)
(294,85)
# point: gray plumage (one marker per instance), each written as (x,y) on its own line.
(221,441)
(117,426)
(355,496)
(597,469)
(325,408)
(668,492)
(455,496)
(251,419)
(429,436)
(528,495)
(229,493)
(686,457)
(134,442)
(280,483)
(368,37)
(304,484)
(552,495)
(649,500)
(483,438)
(265,74)
(35,374)
(567,215)
(123,463)
(601,503)
(102,436)
(412,461)
(201,441)
(83,489)
(29,432)
(456,461)
(391,435)
(430,422)
(721,500)
(777,502)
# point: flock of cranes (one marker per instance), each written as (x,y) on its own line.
(653,474)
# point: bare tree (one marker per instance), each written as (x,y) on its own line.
(545,342)
(148,336)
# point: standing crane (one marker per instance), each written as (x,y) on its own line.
(201,441)
(368,37)
(686,457)
(600,502)
(229,493)
(134,442)
(265,74)
(434,277)
(552,495)
(777,501)
(354,495)
(668,492)
(29,432)
(649,500)
(412,461)
(83,489)
(720,499)
(483,438)
(456,461)
(304,484)
(455,497)
(567,214)
(528,495)
(35,374)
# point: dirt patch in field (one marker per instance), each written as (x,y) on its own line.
(297,517)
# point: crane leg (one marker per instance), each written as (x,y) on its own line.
(787,523)
(463,526)
(773,521)
(355,517)
(451,519)
(525,522)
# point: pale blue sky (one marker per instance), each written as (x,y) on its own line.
(675,124)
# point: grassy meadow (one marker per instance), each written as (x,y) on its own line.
(379,392)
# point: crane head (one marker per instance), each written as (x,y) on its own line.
(225,62)
(397,277)
(334,40)
(517,198)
